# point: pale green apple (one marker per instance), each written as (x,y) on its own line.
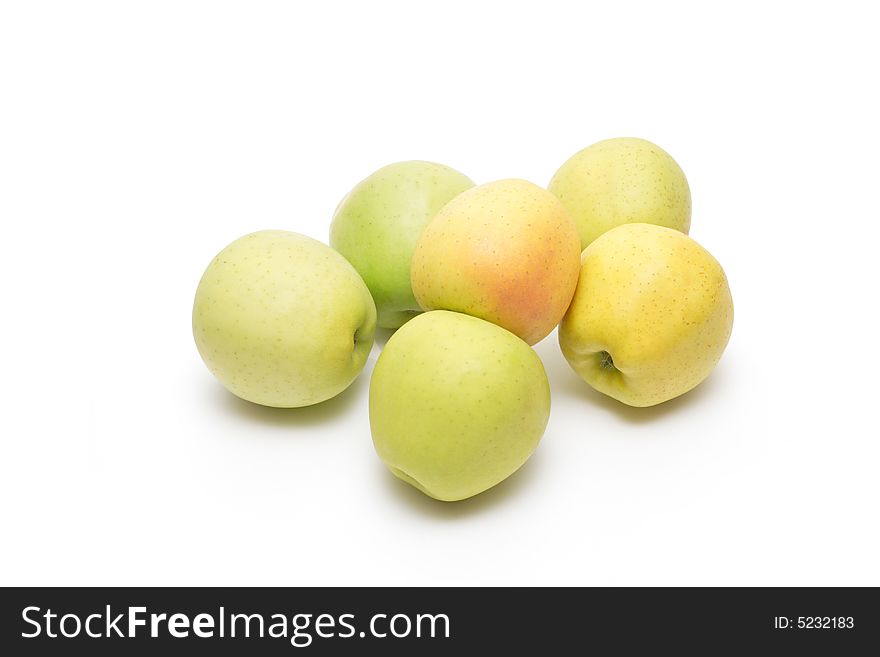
(457,404)
(283,320)
(377,225)
(621,181)
(651,315)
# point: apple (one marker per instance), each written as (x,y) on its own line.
(651,315)
(283,320)
(457,404)
(507,252)
(378,223)
(620,181)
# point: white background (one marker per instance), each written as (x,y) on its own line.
(138,139)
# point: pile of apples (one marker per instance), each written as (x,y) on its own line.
(470,277)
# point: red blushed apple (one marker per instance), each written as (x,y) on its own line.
(507,252)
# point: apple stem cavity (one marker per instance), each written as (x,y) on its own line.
(606,362)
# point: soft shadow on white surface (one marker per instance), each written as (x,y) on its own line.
(507,491)
(306,416)
(574,387)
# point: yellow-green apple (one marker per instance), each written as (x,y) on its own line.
(283,320)
(651,316)
(507,252)
(457,404)
(622,181)
(378,223)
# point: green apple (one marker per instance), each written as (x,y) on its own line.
(283,320)
(651,315)
(620,181)
(507,252)
(457,404)
(377,225)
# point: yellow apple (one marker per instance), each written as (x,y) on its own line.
(622,181)
(651,315)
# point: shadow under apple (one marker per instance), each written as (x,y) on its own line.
(573,386)
(516,484)
(304,416)
(382,336)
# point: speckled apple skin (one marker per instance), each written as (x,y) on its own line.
(377,225)
(507,252)
(457,404)
(620,181)
(658,304)
(283,320)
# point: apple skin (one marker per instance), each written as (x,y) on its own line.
(377,225)
(507,252)
(619,181)
(283,320)
(457,404)
(651,316)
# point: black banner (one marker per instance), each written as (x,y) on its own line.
(340,621)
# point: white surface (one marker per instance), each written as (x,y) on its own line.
(137,139)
